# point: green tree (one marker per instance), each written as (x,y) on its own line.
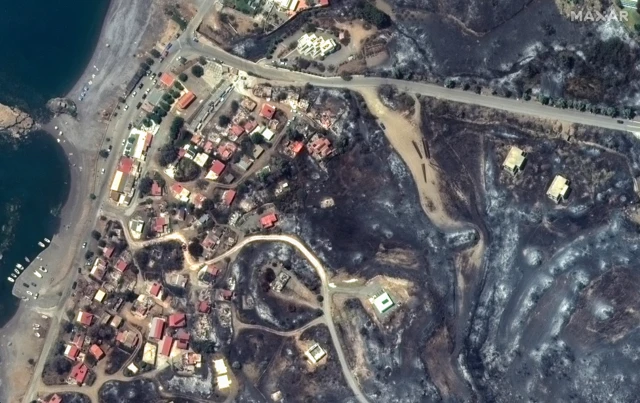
(103,153)
(144,186)
(96,234)
(186,170)
(178,85)
(202,60)
(149,61)
(183,77)
(167,154)
(197,71)
(224,120)
(256,138)
(155,53)
(176,125)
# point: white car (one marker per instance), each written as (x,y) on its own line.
(84,245)
(134,93)
(42,269)
(29,292)
(37,273)
(126,107)
(102,171)
(35,296)
(147,90)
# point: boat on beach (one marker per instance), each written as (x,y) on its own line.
(40,244)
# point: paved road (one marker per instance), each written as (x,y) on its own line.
(326,303)
(189,48)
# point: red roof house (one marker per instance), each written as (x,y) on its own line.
(204,307)
(167,79)
(236,130)
(198,200)
(156,189)
(78,341)
(84,318)
(323,3)
(229,196)
(227,150)
(208,147)
(108,252)
(217,167)
(96,351)
(121,266)
(159,225)
(155,290)
(296,147)
(165,345)
(176,189)
(186,100)
(56,398)
(79,373)
(227,294)
(182,339)
(267,111)
(177,320)
(268,220)
(125,165)
(71,351)
(157,328)
(250,125)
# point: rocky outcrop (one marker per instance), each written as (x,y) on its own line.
(15,121)
(62,105)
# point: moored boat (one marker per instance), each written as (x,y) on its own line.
(47,240)
(10,279)
(40,244)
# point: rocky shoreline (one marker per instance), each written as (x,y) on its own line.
(15,121)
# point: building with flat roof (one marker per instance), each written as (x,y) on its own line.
(314,46)
(559,189)
(149,353)
(315,353)
(186,100)
(515,161)
(382,302)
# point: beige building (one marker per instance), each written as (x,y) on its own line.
(314,46)
(559,189)
(515,161)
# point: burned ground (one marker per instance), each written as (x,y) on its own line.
(138,391)
(270,309)
(253,350)
(298,379)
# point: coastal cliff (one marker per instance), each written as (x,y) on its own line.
(15,121)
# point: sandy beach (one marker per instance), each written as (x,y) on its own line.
(82,138)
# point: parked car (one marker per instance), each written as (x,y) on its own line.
(84,245)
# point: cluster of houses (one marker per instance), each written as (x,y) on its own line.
(515,162)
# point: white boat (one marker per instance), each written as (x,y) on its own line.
(10,279)
(19,266)
(27,259)
(47,240)
(16,271)
(40,244)
(14,275)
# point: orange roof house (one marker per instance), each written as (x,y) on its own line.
(71,351)
(96,351)
(84,318)
(268,220)
(296,147)
(157,328)
(186,100)
(56,398)
(155,290)
(204,307)
(122,265)
(236,130)
(229,196)
(167,79)
(267,111)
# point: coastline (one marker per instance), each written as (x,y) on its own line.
(124,24)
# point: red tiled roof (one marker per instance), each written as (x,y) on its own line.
(297,146)
(157,328)
(198,199)
(267,111)
(165,345)
(156,189)
(56,398)
(167,79)
(196,139)
(186,99)
(85,318)
(227,294)
(155,289)
(203,307)
(236,130)
(217,167)
(108,252)
(229,196)
(78,341)
(183,335)
(181,152)
(73,352)
(177,320)
(79,372)
(250,125)
(177,188)
(125,166)
(121,266)
(148,140)
(159,224)
(323,3)
(96,351)
(268,220)
(213,270)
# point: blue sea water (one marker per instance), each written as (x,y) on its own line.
(46,45)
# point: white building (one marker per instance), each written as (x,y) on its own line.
(315,46)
